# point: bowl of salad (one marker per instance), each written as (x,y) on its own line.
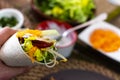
(71,11)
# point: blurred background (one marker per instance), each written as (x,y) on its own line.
(100,6)
(35,12)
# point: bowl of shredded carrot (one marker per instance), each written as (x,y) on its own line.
(102,37)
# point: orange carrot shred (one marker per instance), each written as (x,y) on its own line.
(105,40)
(31,53)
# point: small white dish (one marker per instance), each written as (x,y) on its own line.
(85,36)
(115,2)
(11,12)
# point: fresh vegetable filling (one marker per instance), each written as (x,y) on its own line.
(39,47)
(36,49)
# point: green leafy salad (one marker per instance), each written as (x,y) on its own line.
(68,10)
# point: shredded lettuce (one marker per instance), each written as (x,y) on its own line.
(66,10)
(50,32)
(27,45)
(38,55)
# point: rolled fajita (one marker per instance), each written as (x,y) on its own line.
(31,47)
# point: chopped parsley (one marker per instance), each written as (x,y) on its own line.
(8,21)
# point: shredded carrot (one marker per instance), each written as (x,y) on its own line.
(33,32)
(31,53)
(105,40)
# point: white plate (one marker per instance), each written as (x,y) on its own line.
(85,34)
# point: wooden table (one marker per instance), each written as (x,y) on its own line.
(77,60)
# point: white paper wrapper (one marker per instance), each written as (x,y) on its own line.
(12,53)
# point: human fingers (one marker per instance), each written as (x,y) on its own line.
(8,73)
(13,72)
(5,33)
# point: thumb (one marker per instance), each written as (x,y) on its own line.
(5,33)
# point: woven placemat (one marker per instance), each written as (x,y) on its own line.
(37,72)
(5,4)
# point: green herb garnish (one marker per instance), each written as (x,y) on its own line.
(8,21)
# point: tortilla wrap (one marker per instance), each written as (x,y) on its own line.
(12,53)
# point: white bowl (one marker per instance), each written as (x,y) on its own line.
(9,12)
